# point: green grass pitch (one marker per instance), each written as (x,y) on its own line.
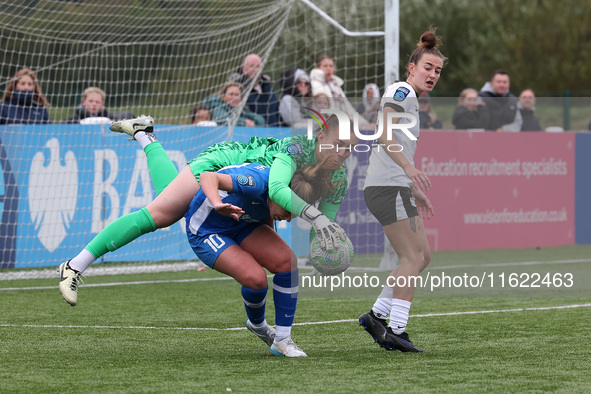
(184,332)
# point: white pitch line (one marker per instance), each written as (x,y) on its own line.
(351,269)
(513,264)
(141,282)
(543,308)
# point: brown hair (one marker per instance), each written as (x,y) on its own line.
(38,97)
(499,71)
(93,89)
(332,122)
(196,109)
(228,85)
(312,182)
(321,58)
(428,44)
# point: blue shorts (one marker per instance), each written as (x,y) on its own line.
(208,247)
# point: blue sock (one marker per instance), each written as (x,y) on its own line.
(254,303)
(285,296)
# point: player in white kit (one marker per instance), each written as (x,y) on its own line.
(394,195)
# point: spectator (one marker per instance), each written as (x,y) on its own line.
(321,101)
(92,110)
(23,102)
(527,106)
(201,116)
(370,105)
(427,117)
(261,98)
(295,85)
(223,104)
(501,103)
(324,81)
(471,112)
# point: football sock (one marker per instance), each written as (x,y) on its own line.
(162,169)
(144,138)
(119,233)
(383,305)
(282,332)
(285,297)
(254,303)
(82,261)
(399,315)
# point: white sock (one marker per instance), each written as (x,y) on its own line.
(399,315)
(81,262)
(145,138)
(282,332)
(382,306)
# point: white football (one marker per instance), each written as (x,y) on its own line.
(331,262)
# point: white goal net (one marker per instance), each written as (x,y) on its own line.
(66,177)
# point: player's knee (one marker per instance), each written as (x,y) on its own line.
(283,263)
(164,218)
(426,259)
(255,282)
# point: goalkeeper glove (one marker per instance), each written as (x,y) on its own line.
(328,232)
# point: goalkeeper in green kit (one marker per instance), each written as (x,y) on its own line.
(176,190)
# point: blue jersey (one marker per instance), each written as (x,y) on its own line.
(209,232)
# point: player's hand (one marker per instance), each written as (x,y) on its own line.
(228,210)
(423,204)
(419,178)
(328,233)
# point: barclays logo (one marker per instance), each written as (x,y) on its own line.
(53,193)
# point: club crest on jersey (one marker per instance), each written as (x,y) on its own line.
(294,149)
(401,94)
(245,180)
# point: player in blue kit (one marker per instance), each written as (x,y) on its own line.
(229,228)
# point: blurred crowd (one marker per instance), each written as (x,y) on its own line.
(492,108)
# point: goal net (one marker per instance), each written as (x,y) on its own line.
(66,180)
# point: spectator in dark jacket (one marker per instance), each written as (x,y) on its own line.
(527,106)
(262,99)
(23,102)
(501,103)
(92,109)
(427,117)
(471,112)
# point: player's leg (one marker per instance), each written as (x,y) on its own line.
(141,129)
(168,207)
(395,210)
(410,243)
(240,265)
(273,253)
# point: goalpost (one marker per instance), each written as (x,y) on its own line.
(62,183)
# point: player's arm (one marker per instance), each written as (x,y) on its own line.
(211,184)
(280,176)
(417,177)
(422,202)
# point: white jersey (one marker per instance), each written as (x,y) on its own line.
(382,170)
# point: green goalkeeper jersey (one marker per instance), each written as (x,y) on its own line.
(285,157)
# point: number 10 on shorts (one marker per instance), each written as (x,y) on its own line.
(215,242)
